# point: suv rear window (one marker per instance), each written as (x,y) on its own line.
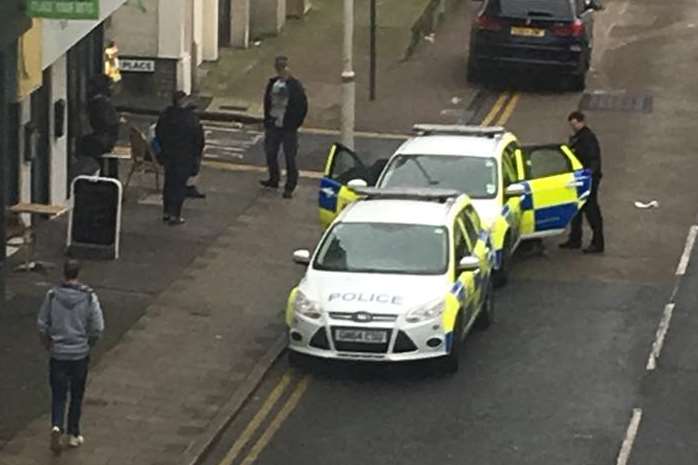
(558,9)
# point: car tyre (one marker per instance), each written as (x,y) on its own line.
(473,73)
(298,360)
(450,363)
(501,276)
(578,82)
(487,312)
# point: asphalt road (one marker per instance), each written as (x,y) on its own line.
(562,377)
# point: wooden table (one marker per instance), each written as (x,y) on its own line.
(39,209)
(109,164)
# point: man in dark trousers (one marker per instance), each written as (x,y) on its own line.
(586,146)
(70,322)
(181,139)
(285,108)
(104,121)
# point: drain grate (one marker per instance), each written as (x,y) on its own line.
(599,101)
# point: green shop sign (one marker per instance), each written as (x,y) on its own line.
(64,9)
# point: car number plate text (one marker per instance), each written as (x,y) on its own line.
(527,32)
(361,335)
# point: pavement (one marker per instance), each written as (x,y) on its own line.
(232,88)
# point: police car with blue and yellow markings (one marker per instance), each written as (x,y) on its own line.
(520,192)
(401,274)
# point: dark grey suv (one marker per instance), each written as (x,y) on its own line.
(552,35)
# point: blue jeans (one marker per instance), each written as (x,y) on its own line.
(67,376)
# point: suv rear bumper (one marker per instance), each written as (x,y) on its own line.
(562,59)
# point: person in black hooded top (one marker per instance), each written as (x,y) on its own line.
(104,121)
(182,141)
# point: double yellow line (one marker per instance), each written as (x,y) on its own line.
(502,109)
(499,114)
(287,408)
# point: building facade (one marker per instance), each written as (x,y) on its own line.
(13,23)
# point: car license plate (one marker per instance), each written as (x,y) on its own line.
(361,335)
(527,32)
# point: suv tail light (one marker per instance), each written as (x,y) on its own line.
(488,23)
(573,29)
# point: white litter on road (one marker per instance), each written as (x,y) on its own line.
(651,204)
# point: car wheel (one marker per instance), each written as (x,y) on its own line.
(449,364)
(578,82)
(298,360)
(501,276)
(474,74)
(487,312)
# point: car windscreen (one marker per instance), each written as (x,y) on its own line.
(475,176)
(384,248)
(558,9)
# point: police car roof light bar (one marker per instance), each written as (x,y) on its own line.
(426,194)
(457,130)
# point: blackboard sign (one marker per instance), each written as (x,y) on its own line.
(95,218)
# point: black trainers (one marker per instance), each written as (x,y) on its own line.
(593,249)
(570,245)
(269,184)
(176,221)
(194,193)
(165,218)
(287,195)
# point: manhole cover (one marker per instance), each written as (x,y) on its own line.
(617,102)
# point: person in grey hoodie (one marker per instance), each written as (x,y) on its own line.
(70,322)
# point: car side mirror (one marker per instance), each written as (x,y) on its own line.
(515,190)
(469,263)
(357,183)
(301,257)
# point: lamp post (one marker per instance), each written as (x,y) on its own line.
(348,78)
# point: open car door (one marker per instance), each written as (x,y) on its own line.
(343,165)
(558,186)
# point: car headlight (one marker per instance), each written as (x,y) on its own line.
(307,307)
(427,312)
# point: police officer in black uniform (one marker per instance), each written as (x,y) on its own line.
(182,141)
(586,146)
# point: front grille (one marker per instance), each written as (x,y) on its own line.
(350,316)
(377,348)
(403,343)
(319,340)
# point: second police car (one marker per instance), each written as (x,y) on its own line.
(520,192)
(402,274)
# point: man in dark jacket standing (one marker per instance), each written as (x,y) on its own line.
(182,141)
(586,146)
(104,121)
(285,108)
(70,322)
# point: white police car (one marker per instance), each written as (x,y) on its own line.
(401,274)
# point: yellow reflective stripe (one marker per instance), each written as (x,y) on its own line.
(326,217)
(550,191)
(448,318)
(289,306)
(330,158)
(345,196)
(576,164)
(528,222)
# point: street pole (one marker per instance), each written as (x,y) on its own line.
(348,78)
(4,130)
(372,77)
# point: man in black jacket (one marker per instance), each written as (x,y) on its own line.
(104,121)
(586,146)
(181,138)
(285,108)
